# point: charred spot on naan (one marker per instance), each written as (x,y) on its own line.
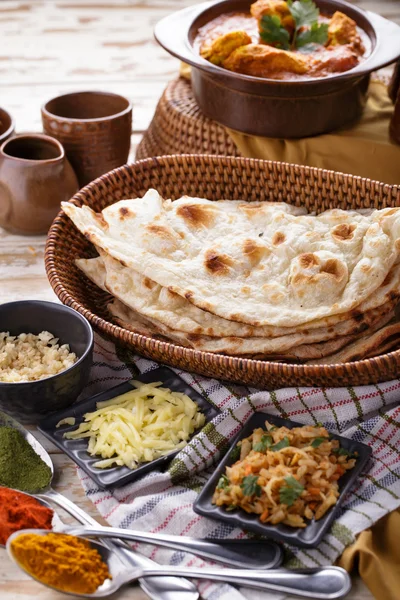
(336,268)
(356,315)
(125,213)
(148,283)
(217,264)
(100,220)
(314,279)
(161,231)
(344,232)
(278,238)
(197,215)
(253,208)
(254,252)
(332,266)
(308,260)
(160,239)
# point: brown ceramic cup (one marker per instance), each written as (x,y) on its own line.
(94,128)
(35,177)
(6,125)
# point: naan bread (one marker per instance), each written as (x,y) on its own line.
(126,314)
(235,346)
(381,341)
(130,320)
(255,263)
(154,301)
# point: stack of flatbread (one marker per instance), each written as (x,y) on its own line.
(253,279)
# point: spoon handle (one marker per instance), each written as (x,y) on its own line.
(250,554)
(326,583)
(160,588)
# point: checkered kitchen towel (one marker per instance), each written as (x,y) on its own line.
(162,501)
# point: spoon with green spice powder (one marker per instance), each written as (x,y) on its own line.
(21,468)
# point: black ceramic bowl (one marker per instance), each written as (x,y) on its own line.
(33,399)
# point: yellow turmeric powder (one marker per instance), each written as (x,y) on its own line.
(62,561)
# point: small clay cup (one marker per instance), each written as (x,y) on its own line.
(94,128)
(6,125)
(35,177)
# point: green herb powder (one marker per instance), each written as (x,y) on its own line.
(20,467)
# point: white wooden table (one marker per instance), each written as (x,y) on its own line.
(51,47)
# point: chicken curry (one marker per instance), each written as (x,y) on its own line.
(281,39)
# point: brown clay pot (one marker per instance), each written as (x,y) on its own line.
(35,177)
(270,107)
(6,125)
(394,93)
(94,128)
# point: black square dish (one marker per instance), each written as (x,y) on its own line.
(77,449)
(307,537)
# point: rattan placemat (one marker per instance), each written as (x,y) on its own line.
(179,127)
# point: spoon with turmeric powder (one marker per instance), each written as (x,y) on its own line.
(88,569)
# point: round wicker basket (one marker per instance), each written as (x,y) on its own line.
(215,177)
(179,127)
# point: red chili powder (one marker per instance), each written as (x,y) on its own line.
(20,511)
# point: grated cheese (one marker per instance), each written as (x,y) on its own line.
(139,426)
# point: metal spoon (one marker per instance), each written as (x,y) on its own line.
(327,583)
(161,588)
(244,554)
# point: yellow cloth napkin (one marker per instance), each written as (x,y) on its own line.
(364,149)
(376,555)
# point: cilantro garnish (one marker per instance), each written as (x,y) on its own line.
(263,444)
(250,486)
(317,34)
(318,441)
(282,444)
(289,492)
(307,33)
(272,32)
(344,452)
(235,454)
(304,12)
(223,483)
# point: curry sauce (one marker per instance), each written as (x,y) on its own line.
(237,41)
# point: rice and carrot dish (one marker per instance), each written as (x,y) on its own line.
(285,475)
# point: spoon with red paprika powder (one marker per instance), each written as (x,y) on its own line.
(22,511)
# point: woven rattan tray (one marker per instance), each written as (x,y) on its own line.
(215,177)
(179,127)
